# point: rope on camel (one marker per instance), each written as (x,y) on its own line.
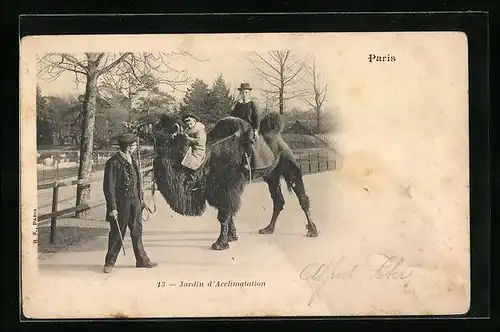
(144,205)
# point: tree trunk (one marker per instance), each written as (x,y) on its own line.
(281,102)
(87,136)
(318,119)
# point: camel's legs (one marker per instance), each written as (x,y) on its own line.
(278,203)
(232,235)
(222,242)
(293,177)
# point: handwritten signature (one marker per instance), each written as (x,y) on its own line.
(391,268)
(388,268)
(322,273)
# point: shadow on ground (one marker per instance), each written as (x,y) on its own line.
(78,239)
(162,263)
(72,267)
(66,238)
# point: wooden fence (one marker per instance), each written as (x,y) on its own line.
(328,139)
(55,213)
(315,161)
(310,161)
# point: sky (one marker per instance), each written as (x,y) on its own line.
(389,107)
(233,66)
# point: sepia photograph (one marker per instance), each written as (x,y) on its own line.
(244,175)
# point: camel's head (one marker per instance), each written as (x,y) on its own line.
(169,136)
(168,124)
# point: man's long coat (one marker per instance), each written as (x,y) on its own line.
(197,149)
(116,185)
(262,156)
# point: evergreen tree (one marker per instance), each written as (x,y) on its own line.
(154,101)
(222,100)
(44,119)
(198,101)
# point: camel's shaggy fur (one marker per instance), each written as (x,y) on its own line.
(219,183)
(216,173)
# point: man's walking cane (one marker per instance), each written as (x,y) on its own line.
(120,232)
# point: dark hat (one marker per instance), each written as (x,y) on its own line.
(190,116)
(127,139)
(244,86)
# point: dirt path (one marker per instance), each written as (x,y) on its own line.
(363,225)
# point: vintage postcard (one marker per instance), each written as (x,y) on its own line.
(245,175)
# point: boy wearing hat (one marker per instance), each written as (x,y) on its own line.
(246,109)
(124,200)
(197,138)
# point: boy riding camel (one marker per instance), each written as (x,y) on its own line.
(197,137)
(260,155)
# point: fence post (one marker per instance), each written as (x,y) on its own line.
(152,181)
(152,175)
(55,194)
(318,162)
(309,157)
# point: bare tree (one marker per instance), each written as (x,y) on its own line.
(269,101)
(123,84)
(91,68)
(316,93)
(142,74)
(281,73)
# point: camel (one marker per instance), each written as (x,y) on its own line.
(219,181)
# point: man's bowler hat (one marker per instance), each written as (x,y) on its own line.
(127,139)
(244,86)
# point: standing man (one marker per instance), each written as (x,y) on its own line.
(124,200)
